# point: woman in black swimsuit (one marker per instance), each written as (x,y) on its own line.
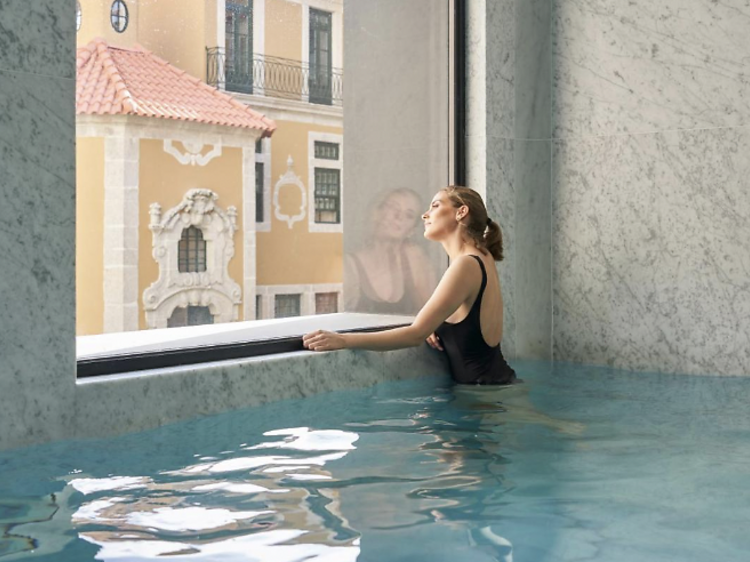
(464,316)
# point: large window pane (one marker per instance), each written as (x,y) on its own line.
(225,175)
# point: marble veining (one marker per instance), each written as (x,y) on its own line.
(130,403)
(37,292)
(38,37)
(645,66)
(652,251)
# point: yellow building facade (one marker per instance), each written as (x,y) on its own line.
(276,193)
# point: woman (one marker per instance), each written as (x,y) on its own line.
(464,315)
(390,273)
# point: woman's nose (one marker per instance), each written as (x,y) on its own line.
(425,214)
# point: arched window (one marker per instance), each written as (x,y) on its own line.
(118,16)
(192,251)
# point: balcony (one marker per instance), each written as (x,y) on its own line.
(274,77)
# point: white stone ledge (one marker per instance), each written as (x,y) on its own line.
(88,347)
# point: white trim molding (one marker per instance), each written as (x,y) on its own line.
(289,179)
(193,155)
(313,163)
(214,287)
(121,173)
(249,238)
(307,292)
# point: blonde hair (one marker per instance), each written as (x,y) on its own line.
(479,227)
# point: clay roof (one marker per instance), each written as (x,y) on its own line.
(117,81)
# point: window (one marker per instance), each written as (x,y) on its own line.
(326,150)
(196,214)
(192,251)
(258,307)
(190,316)
(326,303)
(239,46)
(79,16)
(320,57)
(327,196)
(286,306)
(259,207)
(326,192)
(263,185)
(118,16)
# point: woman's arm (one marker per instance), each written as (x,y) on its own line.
(459,282)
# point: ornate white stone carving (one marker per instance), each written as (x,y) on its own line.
(289,179)
(214,287)
(192,155)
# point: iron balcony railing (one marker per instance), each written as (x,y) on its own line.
(275,77)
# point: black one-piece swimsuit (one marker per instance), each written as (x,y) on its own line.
(472,360)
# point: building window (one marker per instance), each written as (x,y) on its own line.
(320,57)
(327,196)
(239,46)
(79,16)
(190,316)
(118,16)
(326,303)
(192,251)
(326,150)
(258,307)
(286,306)
(259,185)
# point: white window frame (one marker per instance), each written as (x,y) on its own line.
(264,157)
(313,163)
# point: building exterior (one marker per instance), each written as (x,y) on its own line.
(210,161)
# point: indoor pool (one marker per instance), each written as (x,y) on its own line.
(576,463)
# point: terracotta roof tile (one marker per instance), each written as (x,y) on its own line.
(116,81)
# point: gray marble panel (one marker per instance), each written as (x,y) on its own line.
(644,66)
(37,292)
(651,248)
(518,198)
(508,67)
(533,267)
(533,82)
(133,403)
(500,71)
(38,37)
(501,207)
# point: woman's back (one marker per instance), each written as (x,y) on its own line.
(471,339)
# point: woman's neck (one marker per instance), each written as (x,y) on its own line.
(457,246)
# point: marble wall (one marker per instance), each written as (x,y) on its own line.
(650,168)
(509,147)
(37,232)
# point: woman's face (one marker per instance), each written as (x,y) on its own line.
(397,216)
(440,217)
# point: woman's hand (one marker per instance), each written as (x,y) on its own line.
(320,340)
(434,342)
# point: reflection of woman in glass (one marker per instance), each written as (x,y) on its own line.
(390,274)
(464,316)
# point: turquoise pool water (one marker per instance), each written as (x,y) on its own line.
(577,464)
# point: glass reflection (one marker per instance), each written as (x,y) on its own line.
(390,273)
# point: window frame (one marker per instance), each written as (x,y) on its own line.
(264,157)
(119,16)
(312,163)
(132,361)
